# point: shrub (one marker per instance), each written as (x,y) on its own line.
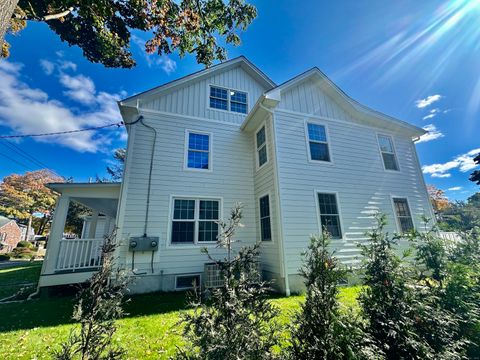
(4,257)
(22,253)
(99,305)
(25,244)
(387,301)
(320,330)
(236,321)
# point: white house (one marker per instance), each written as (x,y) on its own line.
(298,156)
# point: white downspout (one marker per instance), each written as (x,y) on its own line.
(283,263)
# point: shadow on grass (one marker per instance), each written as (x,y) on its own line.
(57,310)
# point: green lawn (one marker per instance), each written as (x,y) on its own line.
(13,279)
(31,329)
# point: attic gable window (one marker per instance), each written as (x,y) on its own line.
(228,100)
(388,152)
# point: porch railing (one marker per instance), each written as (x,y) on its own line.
(450,236)
(79,254)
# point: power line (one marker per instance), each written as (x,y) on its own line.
(16,161)
(118,124)
(27,156)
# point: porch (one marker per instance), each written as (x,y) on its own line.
(69,259)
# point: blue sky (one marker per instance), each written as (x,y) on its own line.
(417,61)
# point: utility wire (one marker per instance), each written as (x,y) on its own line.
(118,124)
(9,145)
(16,161)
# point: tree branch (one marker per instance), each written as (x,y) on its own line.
(46,17)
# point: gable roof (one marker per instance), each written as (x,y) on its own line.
(315,74)
(241,61)
(4,221)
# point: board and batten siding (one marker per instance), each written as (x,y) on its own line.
(192,99)
(231,180)
(264,181)
(356,175)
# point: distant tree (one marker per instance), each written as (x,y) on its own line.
(437,198)
(74,222)
(462,215)
(23,195)
(116,171)
(475,176)
(102,29)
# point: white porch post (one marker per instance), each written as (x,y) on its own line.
(56,234)
(93,225)
(108,222)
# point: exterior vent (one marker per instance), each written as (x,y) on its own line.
(183,282)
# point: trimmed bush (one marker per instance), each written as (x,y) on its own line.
(25,244)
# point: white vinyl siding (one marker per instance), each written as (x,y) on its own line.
(387,150)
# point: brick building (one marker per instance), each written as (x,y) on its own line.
(10,234)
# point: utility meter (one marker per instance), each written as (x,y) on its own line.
(143,243)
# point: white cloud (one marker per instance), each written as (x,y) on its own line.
(432,134)
(65,65)
(27,110)
(79,88)
(47,66)
(463,163)
(167,64)
(429,100)
(455,188)
(429,116)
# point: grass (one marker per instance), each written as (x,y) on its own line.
(30,330)
(14,278)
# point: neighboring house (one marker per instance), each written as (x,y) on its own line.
(10,234)
(31,233)
(299,156)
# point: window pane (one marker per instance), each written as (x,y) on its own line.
(218,104)
(207,231)
(184,209)
(208,210)
(262,156)
(401,207)
(385,143)
(264,207)
(238,96)
(197,160)
(319,151)
(266,231)
(332,225)
(389,161)
(183,231)
(317,132)
(218,92)
(403,214)
(238,107)
(198,142)
(406,224)
(327,203)
(261,137)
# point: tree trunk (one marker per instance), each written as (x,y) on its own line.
(29,226)
(6,11)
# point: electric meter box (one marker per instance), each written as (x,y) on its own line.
(143,243)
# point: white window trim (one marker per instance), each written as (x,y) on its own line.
(257,163)
(210,151)
(271,241)
(228,100)
(190,287)
(399,227)
(195,243)
(319,219)
(307,141)
(394,152)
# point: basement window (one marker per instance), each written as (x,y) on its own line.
(183,282)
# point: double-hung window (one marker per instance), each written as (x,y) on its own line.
(402,212)
(198,151)
(265,225)
(194,221)
(261,142)
(329,214)
(388,152)
(228,100)
(317,142)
